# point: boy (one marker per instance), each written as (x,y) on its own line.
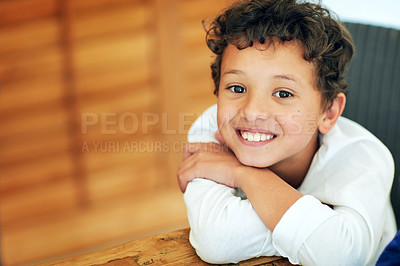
(288,176)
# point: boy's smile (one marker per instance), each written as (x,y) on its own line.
(257,137)
(269,109)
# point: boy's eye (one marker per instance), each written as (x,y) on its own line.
(237,89)
(283,94)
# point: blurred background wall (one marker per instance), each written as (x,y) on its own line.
(96,99)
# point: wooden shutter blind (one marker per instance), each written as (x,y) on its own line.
(118,61)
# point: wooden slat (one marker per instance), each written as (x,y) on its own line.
(202,75)
(105,157)
(27,93)
(129,118)
(126,115)
(31,121)
(113,79)
(92,4)
(200,58)
(30,64)
(111,51)
(121,134)
(25,10)
(131,100)
(36,33)
(123,181)
(15,177)
(130,125)
(113,19)
(29,148)
(193,33)
(37,201)
(204,91)
(104,225)
(52,131)
(200,9)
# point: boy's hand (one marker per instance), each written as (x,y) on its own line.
(210,161)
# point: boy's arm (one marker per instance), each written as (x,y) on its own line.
(305,230)
(224,227)
(270,196)
(272,205)
(349,233)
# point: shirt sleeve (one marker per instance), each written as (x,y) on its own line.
(311,233)
(204,128)
(224,227)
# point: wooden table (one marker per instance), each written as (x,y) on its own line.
(169,249)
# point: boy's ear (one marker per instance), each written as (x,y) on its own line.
(332,114)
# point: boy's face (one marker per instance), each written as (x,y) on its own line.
(269,109)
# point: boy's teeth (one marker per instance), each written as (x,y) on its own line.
(250,137)
(256,137)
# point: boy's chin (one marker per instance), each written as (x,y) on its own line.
(252,162)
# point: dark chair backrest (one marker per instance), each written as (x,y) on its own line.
(374,90)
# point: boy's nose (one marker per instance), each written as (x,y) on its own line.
(255,107)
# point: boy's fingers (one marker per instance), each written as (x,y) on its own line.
(182,185)
(195,147)
(181,182)
(219,137)
(221,141)
(190,149)
(186,153)
(185,172)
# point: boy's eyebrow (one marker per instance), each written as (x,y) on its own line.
(286,77)
(233,71)
(282,76)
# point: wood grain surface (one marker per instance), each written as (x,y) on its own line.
(165,249)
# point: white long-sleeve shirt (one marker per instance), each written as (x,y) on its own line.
(352,171)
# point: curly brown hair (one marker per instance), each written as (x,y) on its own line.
(326,42)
